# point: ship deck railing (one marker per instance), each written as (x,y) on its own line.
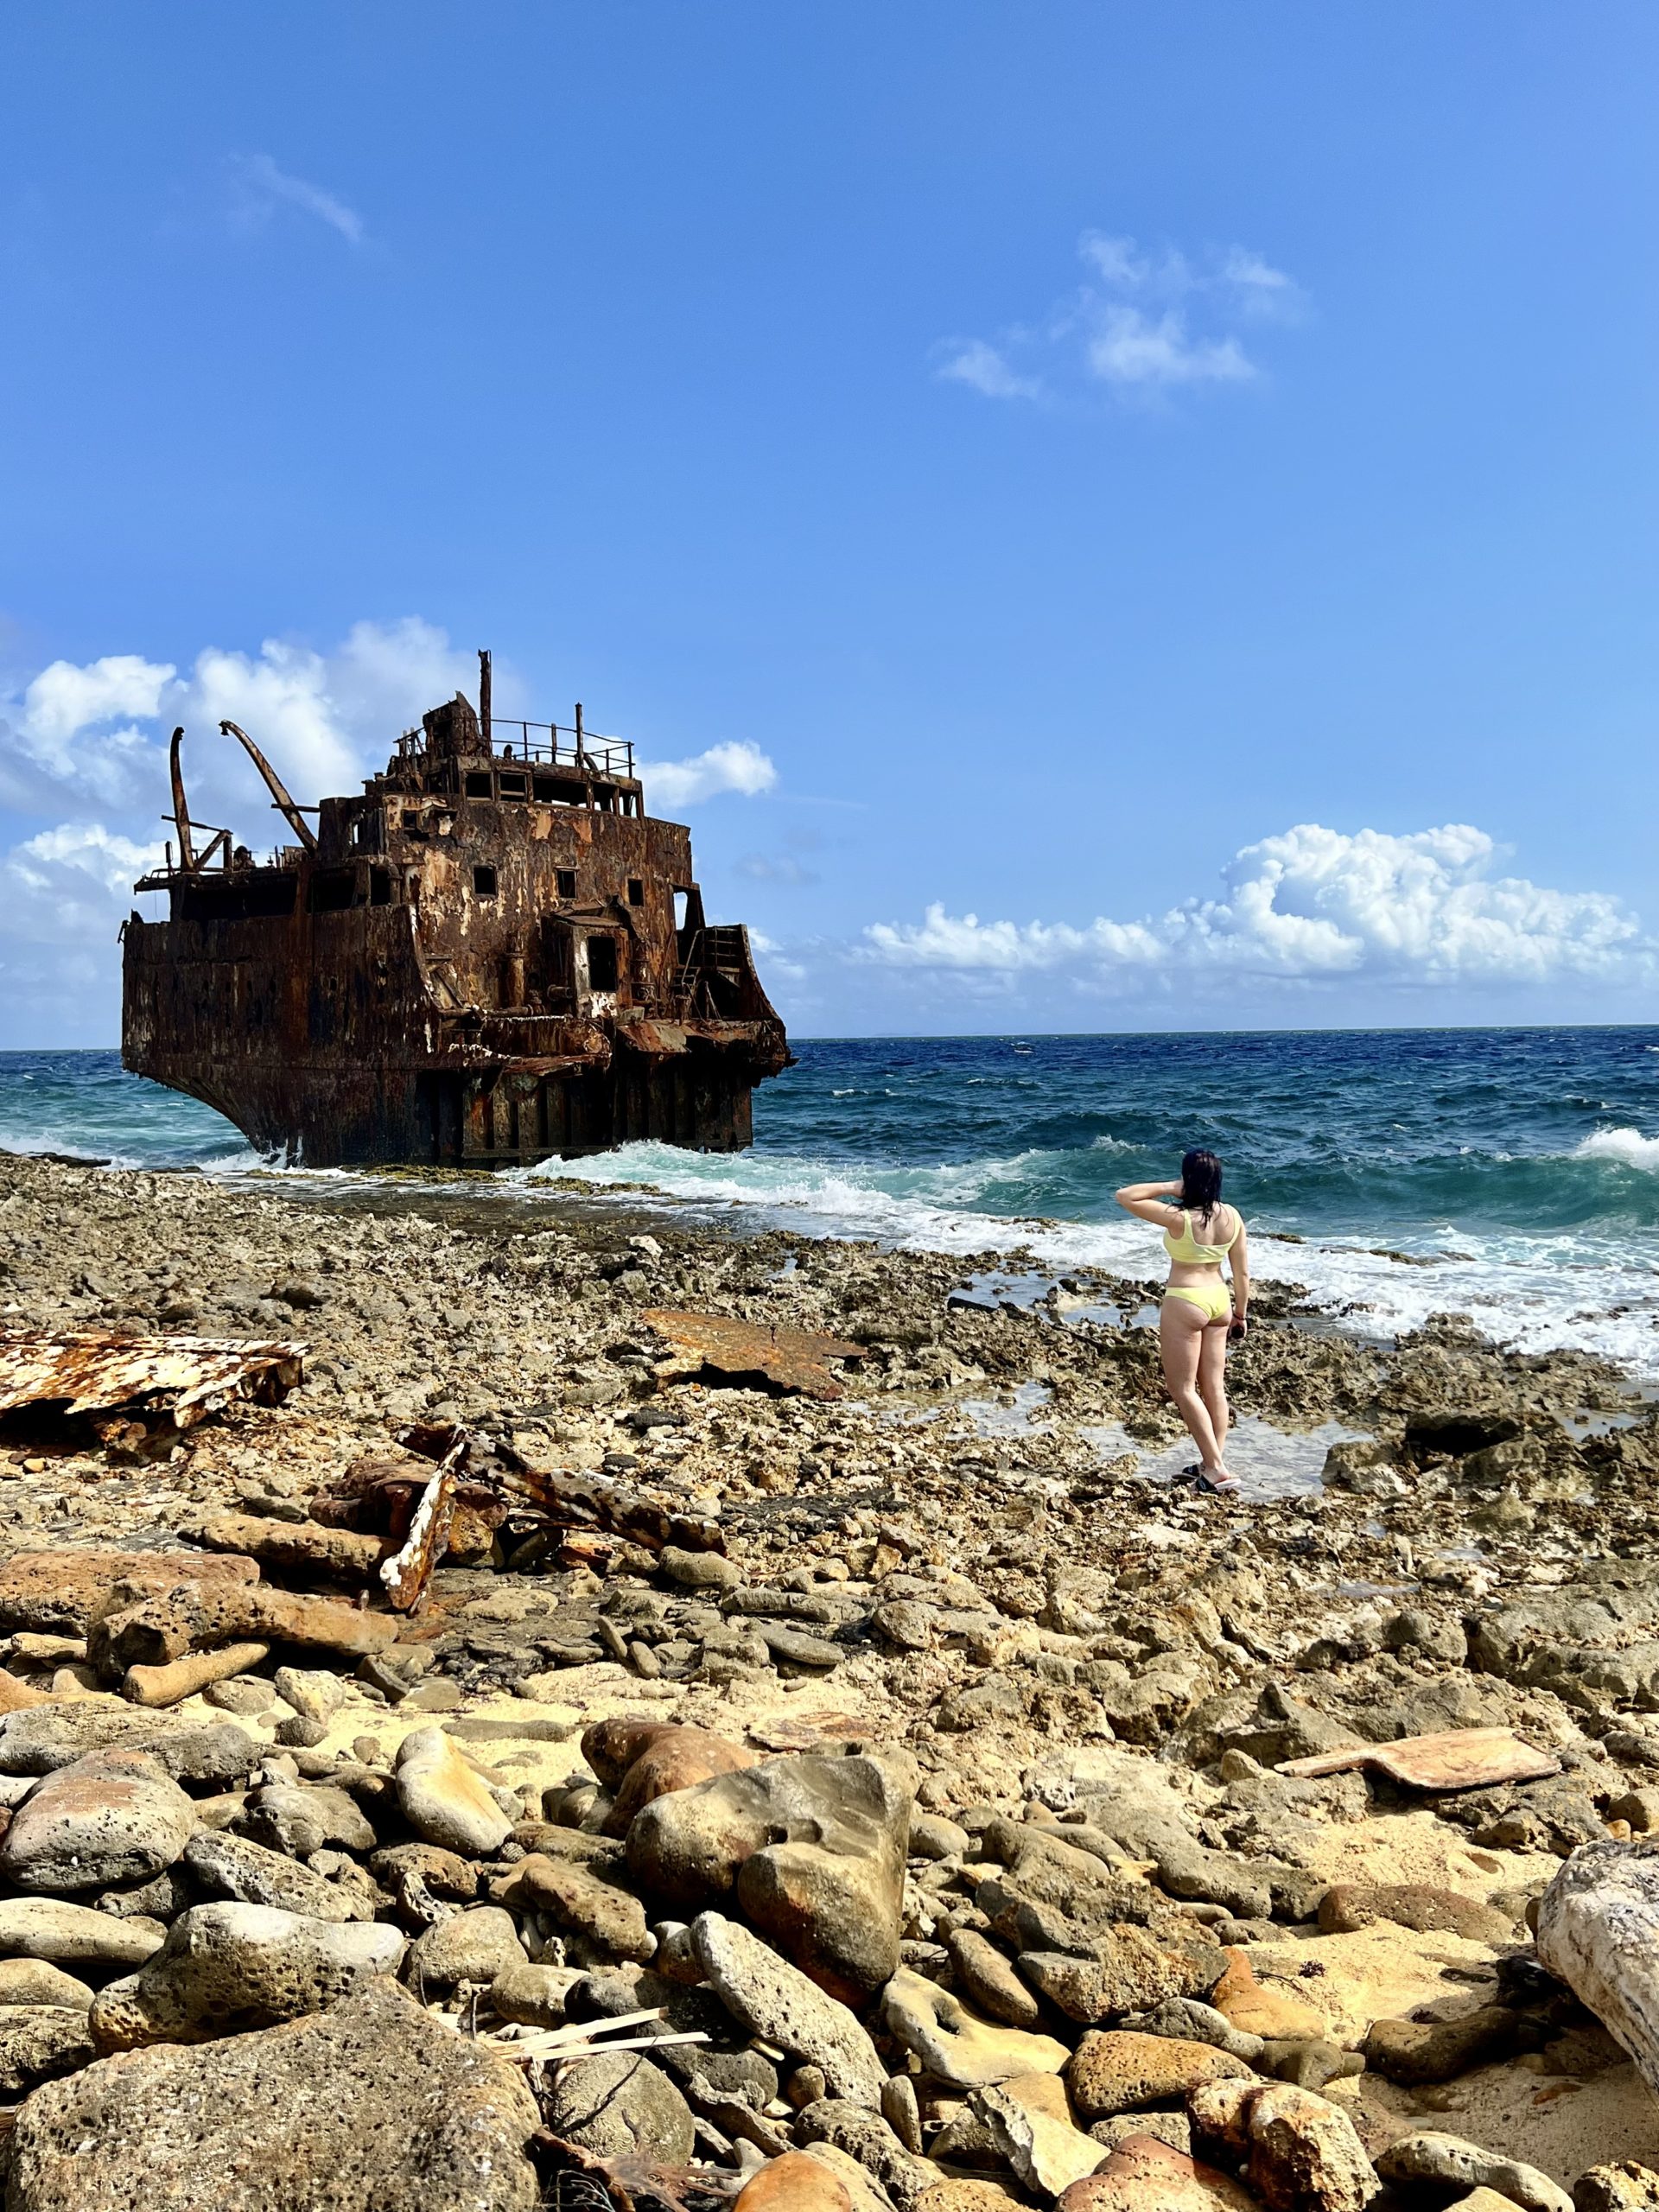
(548,745)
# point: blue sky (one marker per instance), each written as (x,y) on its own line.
(1105,518)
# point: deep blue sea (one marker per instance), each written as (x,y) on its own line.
(1522,1165)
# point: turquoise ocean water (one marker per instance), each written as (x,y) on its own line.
(1521,1165)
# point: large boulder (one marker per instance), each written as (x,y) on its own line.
(444,1800)
(954,2044)
(76,1934)
(111,1817)
(398,2113)
(1295,2149)
(769,1998)
(1599,1932)
(617,2105)
(642,1760)
(813,1849)
(227,1968)
(215,1754)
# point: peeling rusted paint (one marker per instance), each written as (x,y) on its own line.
(407,1572)
(180,1378)
(791,1360)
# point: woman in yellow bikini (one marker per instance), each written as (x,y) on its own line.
(1199,1313)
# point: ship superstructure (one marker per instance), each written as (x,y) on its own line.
(493,956)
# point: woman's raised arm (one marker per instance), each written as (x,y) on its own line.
(1149,1202)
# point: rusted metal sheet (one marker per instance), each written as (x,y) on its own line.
(492,954)
(408,1570)
(180,1379)
(765,1352)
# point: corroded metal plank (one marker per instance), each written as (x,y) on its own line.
(185,1377)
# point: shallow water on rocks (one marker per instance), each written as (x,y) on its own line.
(1269,1462)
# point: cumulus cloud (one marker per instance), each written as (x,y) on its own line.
(1142,321)
(264,188)
(737,766)
(63,893)
(1312,905)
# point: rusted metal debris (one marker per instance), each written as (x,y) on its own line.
(491,955)
(408,1570)
(484,1491)
(179,1379)
(766,1354)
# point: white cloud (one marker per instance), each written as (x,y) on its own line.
(264,187)
(985,370)
(736,766)
(1131,348)
(1142,322)
(63,895)
(1314,905)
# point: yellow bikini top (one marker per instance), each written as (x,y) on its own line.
(1184,1247)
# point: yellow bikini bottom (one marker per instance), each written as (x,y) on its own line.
(1213,1300)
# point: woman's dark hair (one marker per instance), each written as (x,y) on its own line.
(1200,1182)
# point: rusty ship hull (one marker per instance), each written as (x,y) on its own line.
(492,956)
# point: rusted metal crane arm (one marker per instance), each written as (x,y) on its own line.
(180,806)
(285,806)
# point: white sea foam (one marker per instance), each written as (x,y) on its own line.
(1536,1293)
(1628,1146)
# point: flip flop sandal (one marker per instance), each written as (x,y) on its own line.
(1225,1488)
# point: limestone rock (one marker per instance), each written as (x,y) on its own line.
(111,1817)
(313,1692)
(1266,2012)
(476,1946)
(1027,2116)
(956,2046)
(300,1819)
(227,1968)
(794,2182)
(1599,1932)
(232,1866)
(813,1849)
(1115,2072)
(640,1760)
(444,1801)
(609,1919)
(67,1590)
(991,1981)
(1130,1971)
(864,2135)
(413,2118)
(1189,2020)
(75,1934)
(770,1999)
(1297,2149)
(1143,2174)
(1624,2187)
(1348,1905)
(34,1981)
(617,2105)
(533,1995)
(1416,2052)
(40,2041)
(1429,2155)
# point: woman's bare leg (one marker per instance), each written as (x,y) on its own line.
(1212,1381)
(1181,1332)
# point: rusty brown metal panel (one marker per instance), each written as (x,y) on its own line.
(88,1370)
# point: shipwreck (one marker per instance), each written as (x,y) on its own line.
(493,956)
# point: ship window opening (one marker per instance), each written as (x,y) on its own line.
(332,891)
(477,785)
(412,822)
(682,901)
(636,892)
(511,787)
(546,790)
(484,882)
(379,886)
(601,963)
(565,882)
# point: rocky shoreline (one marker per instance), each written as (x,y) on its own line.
(933,1789)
